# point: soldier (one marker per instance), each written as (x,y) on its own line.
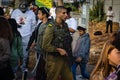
(36,42)
(57,43)
(43,14)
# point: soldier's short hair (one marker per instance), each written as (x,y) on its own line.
(59,8)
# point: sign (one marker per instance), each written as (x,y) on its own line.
(44,3)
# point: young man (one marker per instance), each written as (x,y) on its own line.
(57,43)
(81,52)
(72,23)
(26,19)
(52,11)
(109,20)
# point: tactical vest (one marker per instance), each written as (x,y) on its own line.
(62,37)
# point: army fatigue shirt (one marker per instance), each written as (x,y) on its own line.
(54,37)
(41,31)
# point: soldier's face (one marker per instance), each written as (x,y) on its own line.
(63,14)
(40,15)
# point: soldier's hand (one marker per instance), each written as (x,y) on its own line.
(62,52)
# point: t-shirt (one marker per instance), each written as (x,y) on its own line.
(52,12)
(72,23)
(111,14)
(26,20)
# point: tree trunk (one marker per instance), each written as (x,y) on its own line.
(60,2)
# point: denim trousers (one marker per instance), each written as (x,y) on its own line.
(84,73)
(25,41)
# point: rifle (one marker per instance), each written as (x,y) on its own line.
(67,40)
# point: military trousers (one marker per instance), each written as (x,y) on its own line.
(58,66)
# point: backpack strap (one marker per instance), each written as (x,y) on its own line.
(33,37)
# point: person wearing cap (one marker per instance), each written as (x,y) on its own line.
(81,52)
(26,19)
(43,15)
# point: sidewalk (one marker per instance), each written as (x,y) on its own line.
(89,69)
(78,77)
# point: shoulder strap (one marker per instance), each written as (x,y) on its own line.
(33,36)
(36,31)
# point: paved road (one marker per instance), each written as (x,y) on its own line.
(79,76)
(89,69)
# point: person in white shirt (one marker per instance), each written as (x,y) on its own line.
(72,23)
(26,19)
(109,20)
(52,11)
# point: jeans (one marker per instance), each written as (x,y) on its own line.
(84,73)
(25,40)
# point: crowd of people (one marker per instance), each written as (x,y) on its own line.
(58,50)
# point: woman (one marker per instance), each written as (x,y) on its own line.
(43,14)
(16,47)
(5,40)
(108,67)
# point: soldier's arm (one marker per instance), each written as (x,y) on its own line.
(47,39)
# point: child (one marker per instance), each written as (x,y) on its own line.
(81,52)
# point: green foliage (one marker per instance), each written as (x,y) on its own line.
(70,5)
(97,12)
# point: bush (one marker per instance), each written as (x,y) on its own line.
(70,5)
(97,12)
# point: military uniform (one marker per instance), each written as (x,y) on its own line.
(41,72)
(57,37)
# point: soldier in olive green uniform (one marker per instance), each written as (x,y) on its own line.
(43,14)
(57,44)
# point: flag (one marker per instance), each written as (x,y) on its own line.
(44,3)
